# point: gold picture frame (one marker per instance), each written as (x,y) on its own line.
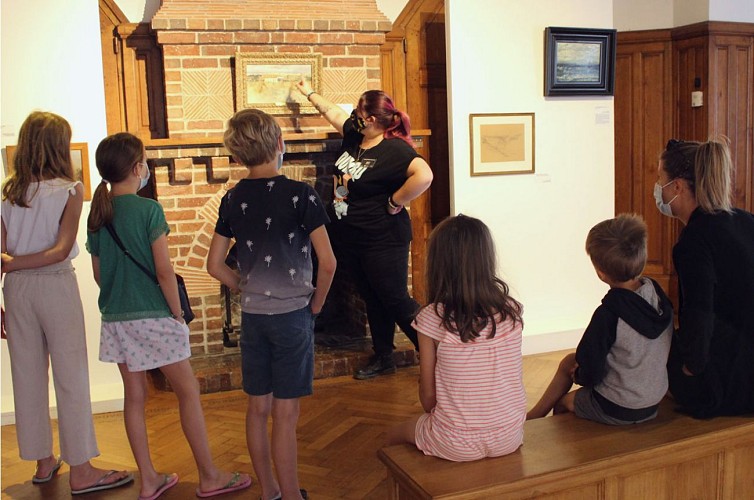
(79,158)
(502,143)
(267,82)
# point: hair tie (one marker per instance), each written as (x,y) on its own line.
(105,181)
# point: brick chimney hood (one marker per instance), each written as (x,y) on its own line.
(201,38)
(302,15)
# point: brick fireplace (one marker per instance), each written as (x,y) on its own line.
(192,170)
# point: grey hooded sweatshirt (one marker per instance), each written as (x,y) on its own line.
(623,354)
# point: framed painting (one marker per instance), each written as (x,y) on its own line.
(579,61)
(79,158)
(502,143)
(267,81)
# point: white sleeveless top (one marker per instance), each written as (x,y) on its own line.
(33,229)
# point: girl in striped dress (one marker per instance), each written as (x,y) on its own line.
(470,382)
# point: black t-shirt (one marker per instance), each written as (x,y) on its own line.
(376,173)
(271,220)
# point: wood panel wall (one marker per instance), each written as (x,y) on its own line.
(656,72)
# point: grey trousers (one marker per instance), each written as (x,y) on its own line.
(44,321)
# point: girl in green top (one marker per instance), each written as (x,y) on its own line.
(142,327)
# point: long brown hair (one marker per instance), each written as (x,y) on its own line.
(395,122)
(115,157)
(43,152)
(461,277)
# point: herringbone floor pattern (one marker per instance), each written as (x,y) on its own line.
(341,427)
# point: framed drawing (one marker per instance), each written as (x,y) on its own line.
(579,61)
(79,158)
(267,81)
(502,143)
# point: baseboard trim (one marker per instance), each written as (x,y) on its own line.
(548,342)
(107,406)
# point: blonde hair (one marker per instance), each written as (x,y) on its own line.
(708,169)
(618,247)
(115,157)
(252,137)
(43,152)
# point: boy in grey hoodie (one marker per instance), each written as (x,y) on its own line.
(620,360)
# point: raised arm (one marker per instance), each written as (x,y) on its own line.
(418,178)
(332,112)
(69,227)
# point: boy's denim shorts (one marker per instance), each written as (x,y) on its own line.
(277,353)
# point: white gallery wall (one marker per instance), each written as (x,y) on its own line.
(539,221)
(52,61)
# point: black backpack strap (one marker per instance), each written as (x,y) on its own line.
(116,238)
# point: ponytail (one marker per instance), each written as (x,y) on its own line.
(101,211)
(116,155)
(396,123)
(401,128)
(713,172)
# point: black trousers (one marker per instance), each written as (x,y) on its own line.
(380,273)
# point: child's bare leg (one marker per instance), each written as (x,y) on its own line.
(565,405)
(257,414)
(135,391)
(284,445)
(402,433)
(559,386)
(182,380)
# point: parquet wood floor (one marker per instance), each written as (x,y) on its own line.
(340,429)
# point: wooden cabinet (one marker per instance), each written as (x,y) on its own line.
(656,71)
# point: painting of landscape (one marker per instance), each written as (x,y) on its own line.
(578,62)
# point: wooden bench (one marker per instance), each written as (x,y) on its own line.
(564,457)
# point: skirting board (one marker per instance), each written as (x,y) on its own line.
(548,342)
(534,344)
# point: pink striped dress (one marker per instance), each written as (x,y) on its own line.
(481,403)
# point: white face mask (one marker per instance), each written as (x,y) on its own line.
(144,180)
(280,158)
(664,208)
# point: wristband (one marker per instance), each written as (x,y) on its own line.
(392,203)
(310,94)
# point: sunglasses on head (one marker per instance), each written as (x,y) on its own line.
(673,144)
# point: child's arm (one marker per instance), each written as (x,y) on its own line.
(326,267)
(69,227)
(595,344)
(216,267)
(427,362)
(166,275)
(95,268)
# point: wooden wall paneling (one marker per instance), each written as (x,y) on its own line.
(732,78)
(143,81)
(690,63)
(110,17)
(643,123)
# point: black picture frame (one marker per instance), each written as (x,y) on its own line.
(579,61)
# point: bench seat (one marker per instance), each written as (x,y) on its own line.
(564,457)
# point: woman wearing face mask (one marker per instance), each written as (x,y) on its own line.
(378,174)
(711,365)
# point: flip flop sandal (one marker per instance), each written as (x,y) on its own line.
(39,480)
(101,485)
(168,481)
(234,484)
(303,492)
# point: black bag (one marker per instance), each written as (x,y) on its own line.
(186,312)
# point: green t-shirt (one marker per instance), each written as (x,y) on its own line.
(126,292)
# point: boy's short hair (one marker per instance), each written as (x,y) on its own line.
(252,137)
(618,247)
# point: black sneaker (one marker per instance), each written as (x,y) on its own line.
(378,365)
